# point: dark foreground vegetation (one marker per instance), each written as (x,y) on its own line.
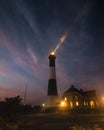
(12,111)
(14,115)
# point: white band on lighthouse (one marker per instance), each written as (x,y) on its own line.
(52,73)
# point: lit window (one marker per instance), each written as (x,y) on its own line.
(77,103)
(71,104)
(84,103)
(43,104)
(63,104)
(65,99)
(103,99)
(92,104)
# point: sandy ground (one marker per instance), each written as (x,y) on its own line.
(57,121)
(65,121)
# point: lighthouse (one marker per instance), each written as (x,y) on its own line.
(52,94)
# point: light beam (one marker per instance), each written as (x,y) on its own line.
(85,9)
(62,39)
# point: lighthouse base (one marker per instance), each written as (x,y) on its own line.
(51,101)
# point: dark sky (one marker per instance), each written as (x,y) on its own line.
(29,29)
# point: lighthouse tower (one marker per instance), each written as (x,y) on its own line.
(52,94)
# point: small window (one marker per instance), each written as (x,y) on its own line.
(71,104)
(84,103)
(77,103)
(92,104)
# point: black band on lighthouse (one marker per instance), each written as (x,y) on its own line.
(52,87)
(52,60)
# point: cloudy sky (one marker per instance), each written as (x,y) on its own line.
(29,29)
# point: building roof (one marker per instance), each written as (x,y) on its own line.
(91,93)
(72,89)
(87,94)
